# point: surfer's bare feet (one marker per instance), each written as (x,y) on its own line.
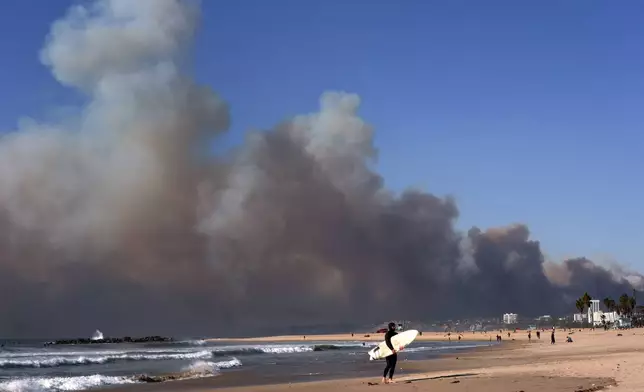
(384,380)
(390,381)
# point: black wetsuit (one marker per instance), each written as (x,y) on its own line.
(393,358)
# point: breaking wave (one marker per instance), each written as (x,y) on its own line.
(281,349)
(196,342)
(77,383)
(55,361)
(211,368)
(80,358)
(198,369)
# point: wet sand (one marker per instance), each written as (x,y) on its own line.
(458,383)
(595,360)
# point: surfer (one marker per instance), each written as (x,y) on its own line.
(393,358)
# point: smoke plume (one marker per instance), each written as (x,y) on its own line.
(121,219)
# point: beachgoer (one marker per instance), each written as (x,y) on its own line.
(552,337)
(391,359)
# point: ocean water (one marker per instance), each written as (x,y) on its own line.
(32,366)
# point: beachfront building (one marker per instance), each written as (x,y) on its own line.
(592,310)
(578,317)
(596,317)
(510,318)
(611,317)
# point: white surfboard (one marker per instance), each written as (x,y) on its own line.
(400,341)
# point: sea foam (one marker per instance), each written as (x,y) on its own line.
(83,358)
(38,384)
(197,369)
(36,361)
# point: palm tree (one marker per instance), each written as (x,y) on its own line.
(606,303)
(579,304)
(609,303)
(586,300)
(624,304)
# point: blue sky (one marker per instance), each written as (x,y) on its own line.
(525,111)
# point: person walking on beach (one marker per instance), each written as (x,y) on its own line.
(552,336)
(391,359)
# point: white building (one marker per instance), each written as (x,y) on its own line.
(510,318)
(609,317)
(578,317)
(594,305)
(592,309)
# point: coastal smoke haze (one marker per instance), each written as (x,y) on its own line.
(118,220)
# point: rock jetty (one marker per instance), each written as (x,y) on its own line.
(126,339)
(162,378)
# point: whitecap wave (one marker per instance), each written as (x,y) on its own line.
(197,369)
(58,353)
(98,335)
(54,361)
(62,353)
(38,384)
(228,364)
(211,368)
(50,359)
(281,349)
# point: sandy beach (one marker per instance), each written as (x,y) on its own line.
(377,337)
(596,360)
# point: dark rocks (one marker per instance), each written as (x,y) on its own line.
(126,339)
(146,378)
(163,377)
(325,347)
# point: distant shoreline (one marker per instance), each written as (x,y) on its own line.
(367,337)
(427,336)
